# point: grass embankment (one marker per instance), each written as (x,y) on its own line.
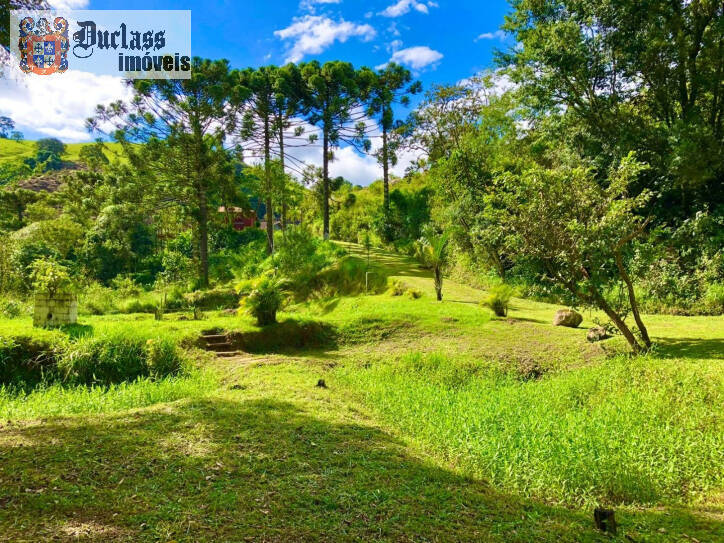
(440,423)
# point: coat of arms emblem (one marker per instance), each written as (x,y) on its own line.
(43,51)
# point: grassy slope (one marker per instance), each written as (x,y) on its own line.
(16,151)
(270,457)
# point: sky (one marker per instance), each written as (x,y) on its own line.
(440,41)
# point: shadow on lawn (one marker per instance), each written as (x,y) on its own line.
(260,470)
(690,348)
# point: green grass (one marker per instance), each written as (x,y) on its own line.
(440,423)
(628,431)
(54,400)
(17,151)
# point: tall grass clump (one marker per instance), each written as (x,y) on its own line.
(498,299)
(118,357)
(59,399)
(632,431)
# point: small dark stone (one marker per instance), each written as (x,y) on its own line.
(605,520)
(321,384)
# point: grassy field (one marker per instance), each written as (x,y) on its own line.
(438,423)
(11,150)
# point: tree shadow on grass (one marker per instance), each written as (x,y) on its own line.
(690,348)
(259,470)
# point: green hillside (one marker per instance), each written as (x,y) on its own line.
(18,150)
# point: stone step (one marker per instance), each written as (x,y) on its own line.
(222,348)
(215,336)
(229,354)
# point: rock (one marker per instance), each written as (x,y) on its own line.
(567,317)
(597,333)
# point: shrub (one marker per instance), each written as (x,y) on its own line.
(413,293)
(498,299)
(125,286)
(714,298)
(263,298)
(26,360)
(11,309)
(396,287)
(96,299)
(51,277)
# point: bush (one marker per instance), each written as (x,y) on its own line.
(11,309)
(263,298)
(413,293)
(498,299)
(396,288)
(714,298)
(26,360)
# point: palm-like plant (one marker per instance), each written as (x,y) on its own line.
(435,253)
(263,297)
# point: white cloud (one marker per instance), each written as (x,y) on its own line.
(312,34)
(68,4)
(309,5)
(405,6)
(57,105)
(417,58)
(497,35)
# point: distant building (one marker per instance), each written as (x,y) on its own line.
(239,218)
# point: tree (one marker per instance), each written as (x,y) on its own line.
(579,232)
(622,77)
(184,124)
(331,100)
(392,85)
(465,177)
(258,130)
(7,125)
(15,200)
(435,253)
(93,157)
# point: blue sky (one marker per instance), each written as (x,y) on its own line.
(440,41)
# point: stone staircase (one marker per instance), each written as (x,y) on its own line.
(220,344)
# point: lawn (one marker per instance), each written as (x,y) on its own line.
(438,423)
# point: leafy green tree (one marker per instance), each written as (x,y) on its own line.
(580,232)
(93,157)
(184,124)
(14,201)
(620,77)
(332,97)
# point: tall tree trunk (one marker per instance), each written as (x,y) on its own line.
(438,283)
(325,182)
(617,320)
(268,181)
(203,238)
(284,181)
(632,300)
(385,169)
